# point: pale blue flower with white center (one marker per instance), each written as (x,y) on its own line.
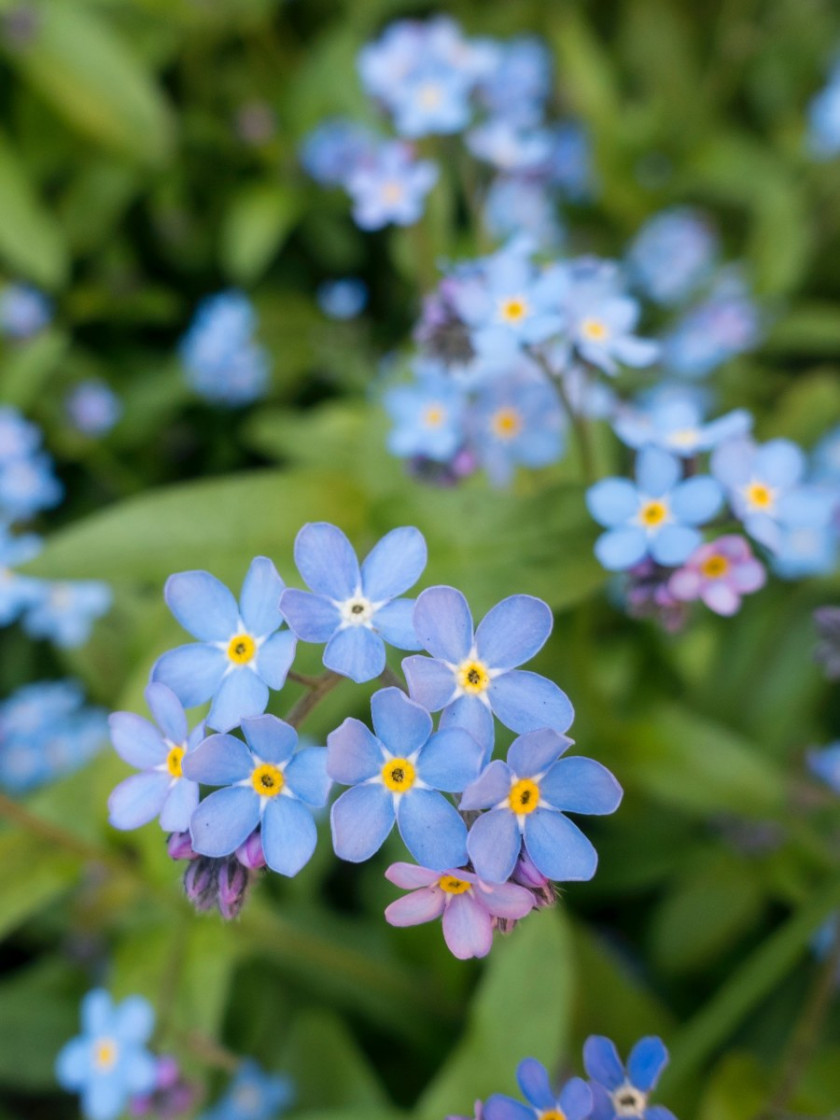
(108,1062)
(573,1102)
(428,418)
(474,674)
(24,311)
(223,362)
(396,774)
(253,1095)
(811,549)
(618,1092)
(672,255)
(515,421)
(526,799)
(656,517)
(268,784)
(434,99)
(92,407)
(508,146)
(64,611)
(675,423)
(16,592)
(354,609)
(18,437)
(342,299)
(825,765)
(519,83)
(241,651)
(726,323)
(391,187)
(333,150)
(158,750)
(27,486)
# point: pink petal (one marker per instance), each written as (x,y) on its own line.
(467,927)
(413,909)
(505,900)
(748,577)
(720,597)
(409,876)
(685,584)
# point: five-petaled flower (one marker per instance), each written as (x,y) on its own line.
(573,1102)
(618,1093)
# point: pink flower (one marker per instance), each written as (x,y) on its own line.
(469,907)
(719,573)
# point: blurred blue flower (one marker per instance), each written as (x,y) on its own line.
(618,1092)
(64,611)
(518,84)
(267,784)
(24,311)
(808,549)
(675,423)
(517,204)
(427,417)
(16,592)
(723,325)
(342,299)
(391,187)
(672,255)
(433,99)
(93,408)
(27,486)
(161,790)
(396,774)
(824,120)
(826,458)
(333,150)
(526,799)
(223,362)
(355,610)
(241,651)
(825,765)
(573,1102)
(509,147)
(108,1062)
(656,517)
(18,436)
(253,1095)
(569,163)
(474,674)
(516,420)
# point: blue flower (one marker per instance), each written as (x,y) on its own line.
(569,163)
(241,651)
(573,1102)
(64,611)
(825,765)
(527,797)
(161,790)
(519,83)
(396,774)
(434,99)
(24,311)
(428,418)
(621,1093)
(355,610)
(809,549)
(333,150)
(342,299)
(28,485)
(508,146)
(253,1095)
(656,517)
(391,187)
(223,362)
(515,420)
(824,120)
(826,458)
(268,784)
(674,422)
(18,437)
(474,675)
(108,1062)
(672,254)
(16,592)
(520,204)
(723,325)
(93,408)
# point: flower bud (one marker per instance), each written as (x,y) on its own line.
(250,854)
(527,875)
(179,846)
(232,883)
(200,882)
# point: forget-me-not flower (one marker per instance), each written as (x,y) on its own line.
(672,254)
(253,1095)
(223,361)
(16,592)
(390,187)
(428,418)
(28,485)
(24,311)
(573,1102)
(64,611)
(675,423)
(433,100)
(93,408)
(333,150)
(719,573)
(396,773)
(516,420)
(342,299)
(723,325)
(825,765)
(355,610)
(241,651)
(618,1092)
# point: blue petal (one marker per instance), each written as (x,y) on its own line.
(526,701)
(326,560)
(394,564)
(613,501)
(513,631)
(97,1012)
(535,752)
(259,601)
(138,800)
(399,723)
(657,472)
(357,653)
(581,785)
(674,544)
(140,1071)
(432,829)
(395,622)
(619,549)
(430,682)
(575,1099)
(220,760)
(468,713)
(498,1107)
(224,820)
(647,1060)
(490,788)
(780,462)
(354,754)
(136,740)
(288,835)
(558,848)
(602,1106)
(696,500)
(494,844)
(312,617)
(533,1081)
(179,806)
(73,1066)
(443,623)
(307,777)
(104,1097)
(241,694)
(361,820)
(134,1020)
(450,760)
(270,738)
(275,657)
(601,1061)
(193,672)
(203,605)
(168,712)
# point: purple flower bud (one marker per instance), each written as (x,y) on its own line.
(250,854)
(827,653)
(201,882)
(232,882)
(171,1097)
(179,846)
(526,875)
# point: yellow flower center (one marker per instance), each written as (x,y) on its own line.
(398,774)
(434,416)
(174,759)
(524,796)
(451,885)
(267,780)
(653,513)
(715,567)
(553,1114)
(760,496)
(241,649)
(472,677)
(105,1054)
(513,310)
(594,330)
(506,423)
(392,191)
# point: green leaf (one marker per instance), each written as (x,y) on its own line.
(735,1090)
(319,1040)
(526,996)
(27,369)
(31,241)
(39,1012)
(811,328)
(90,76)
(32,874)
(256,224)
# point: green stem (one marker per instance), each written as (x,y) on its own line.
(58,836)
(317,691)
(390,679)
(578,421)
(303,678)
(209,1051)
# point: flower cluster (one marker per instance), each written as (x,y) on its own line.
(223,361)
(480,865)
